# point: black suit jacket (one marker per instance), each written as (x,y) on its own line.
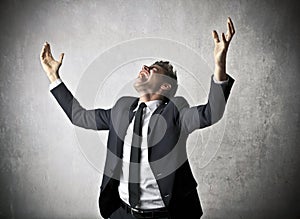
(169,127)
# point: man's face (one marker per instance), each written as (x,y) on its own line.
(150,79)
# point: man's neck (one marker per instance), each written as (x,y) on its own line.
(150,97)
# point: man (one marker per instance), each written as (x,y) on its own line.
(147,173)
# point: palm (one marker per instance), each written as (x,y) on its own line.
(220,52)
(51,65)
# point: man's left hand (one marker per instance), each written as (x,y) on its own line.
(221,48)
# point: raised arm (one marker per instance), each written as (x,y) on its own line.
(97,119)
(205,115)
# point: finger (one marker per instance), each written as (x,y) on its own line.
(215,37)
(229,30)
(228,33)
(42,54)
(61,57)
(223,38)
(48,50)
(231,26)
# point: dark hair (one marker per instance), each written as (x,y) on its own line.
(172,76)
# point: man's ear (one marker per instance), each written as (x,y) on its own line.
(166,86)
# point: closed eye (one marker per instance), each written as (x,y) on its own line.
(154,69)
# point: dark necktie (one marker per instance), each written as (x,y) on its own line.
(135,158)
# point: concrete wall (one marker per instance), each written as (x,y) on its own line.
(247,166)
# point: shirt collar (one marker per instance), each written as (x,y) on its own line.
(152,104)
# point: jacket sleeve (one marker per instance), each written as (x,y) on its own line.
(201,116)
(96,119)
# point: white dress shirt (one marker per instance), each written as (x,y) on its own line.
(150,196)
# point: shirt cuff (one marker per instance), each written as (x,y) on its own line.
(55,83)
(220,82)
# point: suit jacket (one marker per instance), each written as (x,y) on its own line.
(169,127)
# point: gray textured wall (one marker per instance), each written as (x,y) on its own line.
(254,170)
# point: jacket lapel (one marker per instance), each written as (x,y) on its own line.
(121,117)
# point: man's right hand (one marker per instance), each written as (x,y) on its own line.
(50,65)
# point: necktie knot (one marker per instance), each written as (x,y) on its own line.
(138,124)
(142,105)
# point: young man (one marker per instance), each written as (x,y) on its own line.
(147,173)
